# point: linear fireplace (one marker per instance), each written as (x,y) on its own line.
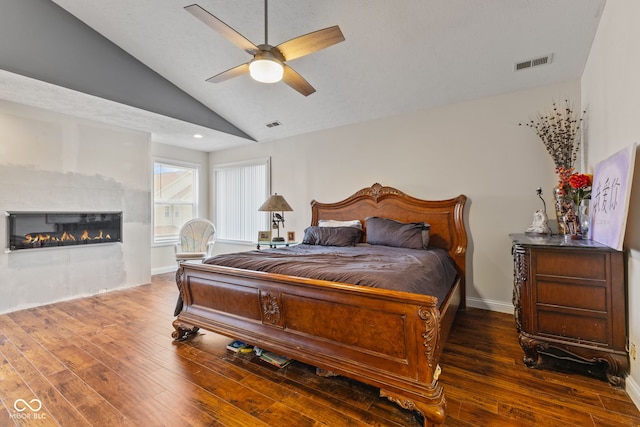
(34,230)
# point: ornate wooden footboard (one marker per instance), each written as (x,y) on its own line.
(388,339)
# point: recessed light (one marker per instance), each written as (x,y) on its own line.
(198,136)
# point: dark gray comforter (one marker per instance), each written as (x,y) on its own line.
(427,272)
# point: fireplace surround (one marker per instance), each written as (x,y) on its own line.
(37,230)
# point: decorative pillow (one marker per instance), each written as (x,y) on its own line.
(335,223)
(332,236)
(388,232)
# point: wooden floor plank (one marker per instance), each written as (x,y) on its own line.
(17,394)
(57,406)
(109,360)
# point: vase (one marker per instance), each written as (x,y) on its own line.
(566,214)
(583,218)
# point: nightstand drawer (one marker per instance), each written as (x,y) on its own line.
(576,327)
(588,265)
(579,295)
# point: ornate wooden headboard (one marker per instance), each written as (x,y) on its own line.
(444,216)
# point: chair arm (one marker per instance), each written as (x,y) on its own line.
(210,248)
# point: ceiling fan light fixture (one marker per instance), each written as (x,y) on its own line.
(265,68)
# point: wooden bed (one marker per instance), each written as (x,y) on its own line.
(387,339)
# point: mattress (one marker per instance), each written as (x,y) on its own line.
(428,272)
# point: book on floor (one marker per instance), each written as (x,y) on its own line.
(236,346)
(275,359)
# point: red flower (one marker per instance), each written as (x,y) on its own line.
(580,180)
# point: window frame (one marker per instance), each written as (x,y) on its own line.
(266,161)
(167,241)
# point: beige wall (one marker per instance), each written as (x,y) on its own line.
(475,148)
(611,94)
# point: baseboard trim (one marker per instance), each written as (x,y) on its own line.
(492,305)
(633,390)
(163,270)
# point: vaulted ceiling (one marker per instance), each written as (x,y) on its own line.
(397,57)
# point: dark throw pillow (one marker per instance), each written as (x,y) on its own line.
(388,232)
(332,236)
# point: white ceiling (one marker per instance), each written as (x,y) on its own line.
(398,57)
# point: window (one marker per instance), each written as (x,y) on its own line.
(240,189)
(175,199)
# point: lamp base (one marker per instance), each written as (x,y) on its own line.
(277,239)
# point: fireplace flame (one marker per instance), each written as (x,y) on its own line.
(40,239)
(67,237)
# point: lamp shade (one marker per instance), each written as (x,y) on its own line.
(265,68)
(275,203)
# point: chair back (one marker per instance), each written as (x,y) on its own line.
(196,234)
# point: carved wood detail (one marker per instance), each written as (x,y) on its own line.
(376,191)
(434,414)
(520,273)
(431,334)
(271,311)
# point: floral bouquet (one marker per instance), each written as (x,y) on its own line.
(575,186)
(580,187)
(559,130)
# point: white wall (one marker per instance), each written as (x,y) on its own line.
(611,94)
(163,255)
(475,148)
(49,161)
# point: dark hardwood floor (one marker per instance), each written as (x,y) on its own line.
(107,361)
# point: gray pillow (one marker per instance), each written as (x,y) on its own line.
(388,232)
(332,236)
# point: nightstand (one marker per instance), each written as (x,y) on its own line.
(570,305)
(273,244)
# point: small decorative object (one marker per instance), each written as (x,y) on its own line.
(540,224)
(264,236)
(559,131)
(291,236)
(273,204)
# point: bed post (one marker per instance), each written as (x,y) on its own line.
(182,331)
(429,401)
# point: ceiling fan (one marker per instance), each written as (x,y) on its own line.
(269,62)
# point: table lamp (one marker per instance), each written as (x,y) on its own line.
(275,204)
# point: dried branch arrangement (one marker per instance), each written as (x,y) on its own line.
(559,131)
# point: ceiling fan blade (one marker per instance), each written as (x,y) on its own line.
(296,81)
(226,31)
(311,42)
(230,73)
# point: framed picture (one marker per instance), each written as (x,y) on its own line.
(610,196)
(264,236)
(291,236)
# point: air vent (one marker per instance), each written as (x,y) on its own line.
(273,124)
(532,63)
